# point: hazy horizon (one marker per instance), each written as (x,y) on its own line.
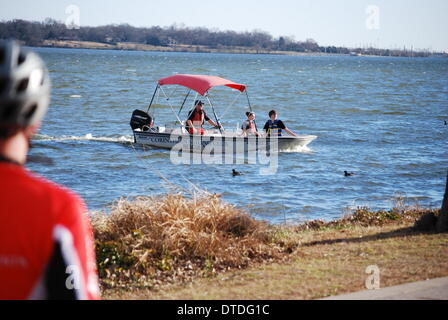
(392,24)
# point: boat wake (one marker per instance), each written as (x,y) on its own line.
(297,149)
(125,140)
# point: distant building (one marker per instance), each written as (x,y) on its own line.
(172,42)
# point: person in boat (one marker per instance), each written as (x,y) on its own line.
(275,126)
(149,127)
(197,118)
(249,127)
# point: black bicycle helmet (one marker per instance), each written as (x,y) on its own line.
(24,88)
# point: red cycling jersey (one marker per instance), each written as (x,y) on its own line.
(46,242)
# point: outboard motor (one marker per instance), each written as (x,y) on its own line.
(140,119)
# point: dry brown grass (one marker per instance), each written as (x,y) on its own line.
(149,240)
(327,262)
(149,248)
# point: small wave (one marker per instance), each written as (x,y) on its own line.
(87,137)
(75,96)
(201,70)
(361,111)
(395,113)
(156,155)
(360,140)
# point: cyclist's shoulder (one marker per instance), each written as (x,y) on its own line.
(65,205)
(40,190)
(53,188)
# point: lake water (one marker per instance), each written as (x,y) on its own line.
(382,118)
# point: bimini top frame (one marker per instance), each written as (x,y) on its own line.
(200,84)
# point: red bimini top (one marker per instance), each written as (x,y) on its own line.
(46,241)
(200,83)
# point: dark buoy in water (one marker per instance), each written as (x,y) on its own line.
(348,174)
(446,123)
(235,173)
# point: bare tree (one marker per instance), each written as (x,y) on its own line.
(35,33)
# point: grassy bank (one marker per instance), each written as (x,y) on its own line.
(173,48)
(178,247)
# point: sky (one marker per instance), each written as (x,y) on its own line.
(418,24)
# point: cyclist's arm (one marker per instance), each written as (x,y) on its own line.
(71,271)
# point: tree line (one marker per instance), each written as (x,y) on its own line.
(35,33)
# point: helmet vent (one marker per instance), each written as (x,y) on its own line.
(23,85)
(3,84)
(8,111)
(30,112)
(2,55)
(21,59)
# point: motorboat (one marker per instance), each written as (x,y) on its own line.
(217,139)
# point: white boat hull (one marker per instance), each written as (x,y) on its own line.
(219,143)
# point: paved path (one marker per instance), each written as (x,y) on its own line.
(435,289)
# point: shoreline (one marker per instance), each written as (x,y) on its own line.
(127,46)
(328,262)
(153,248)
